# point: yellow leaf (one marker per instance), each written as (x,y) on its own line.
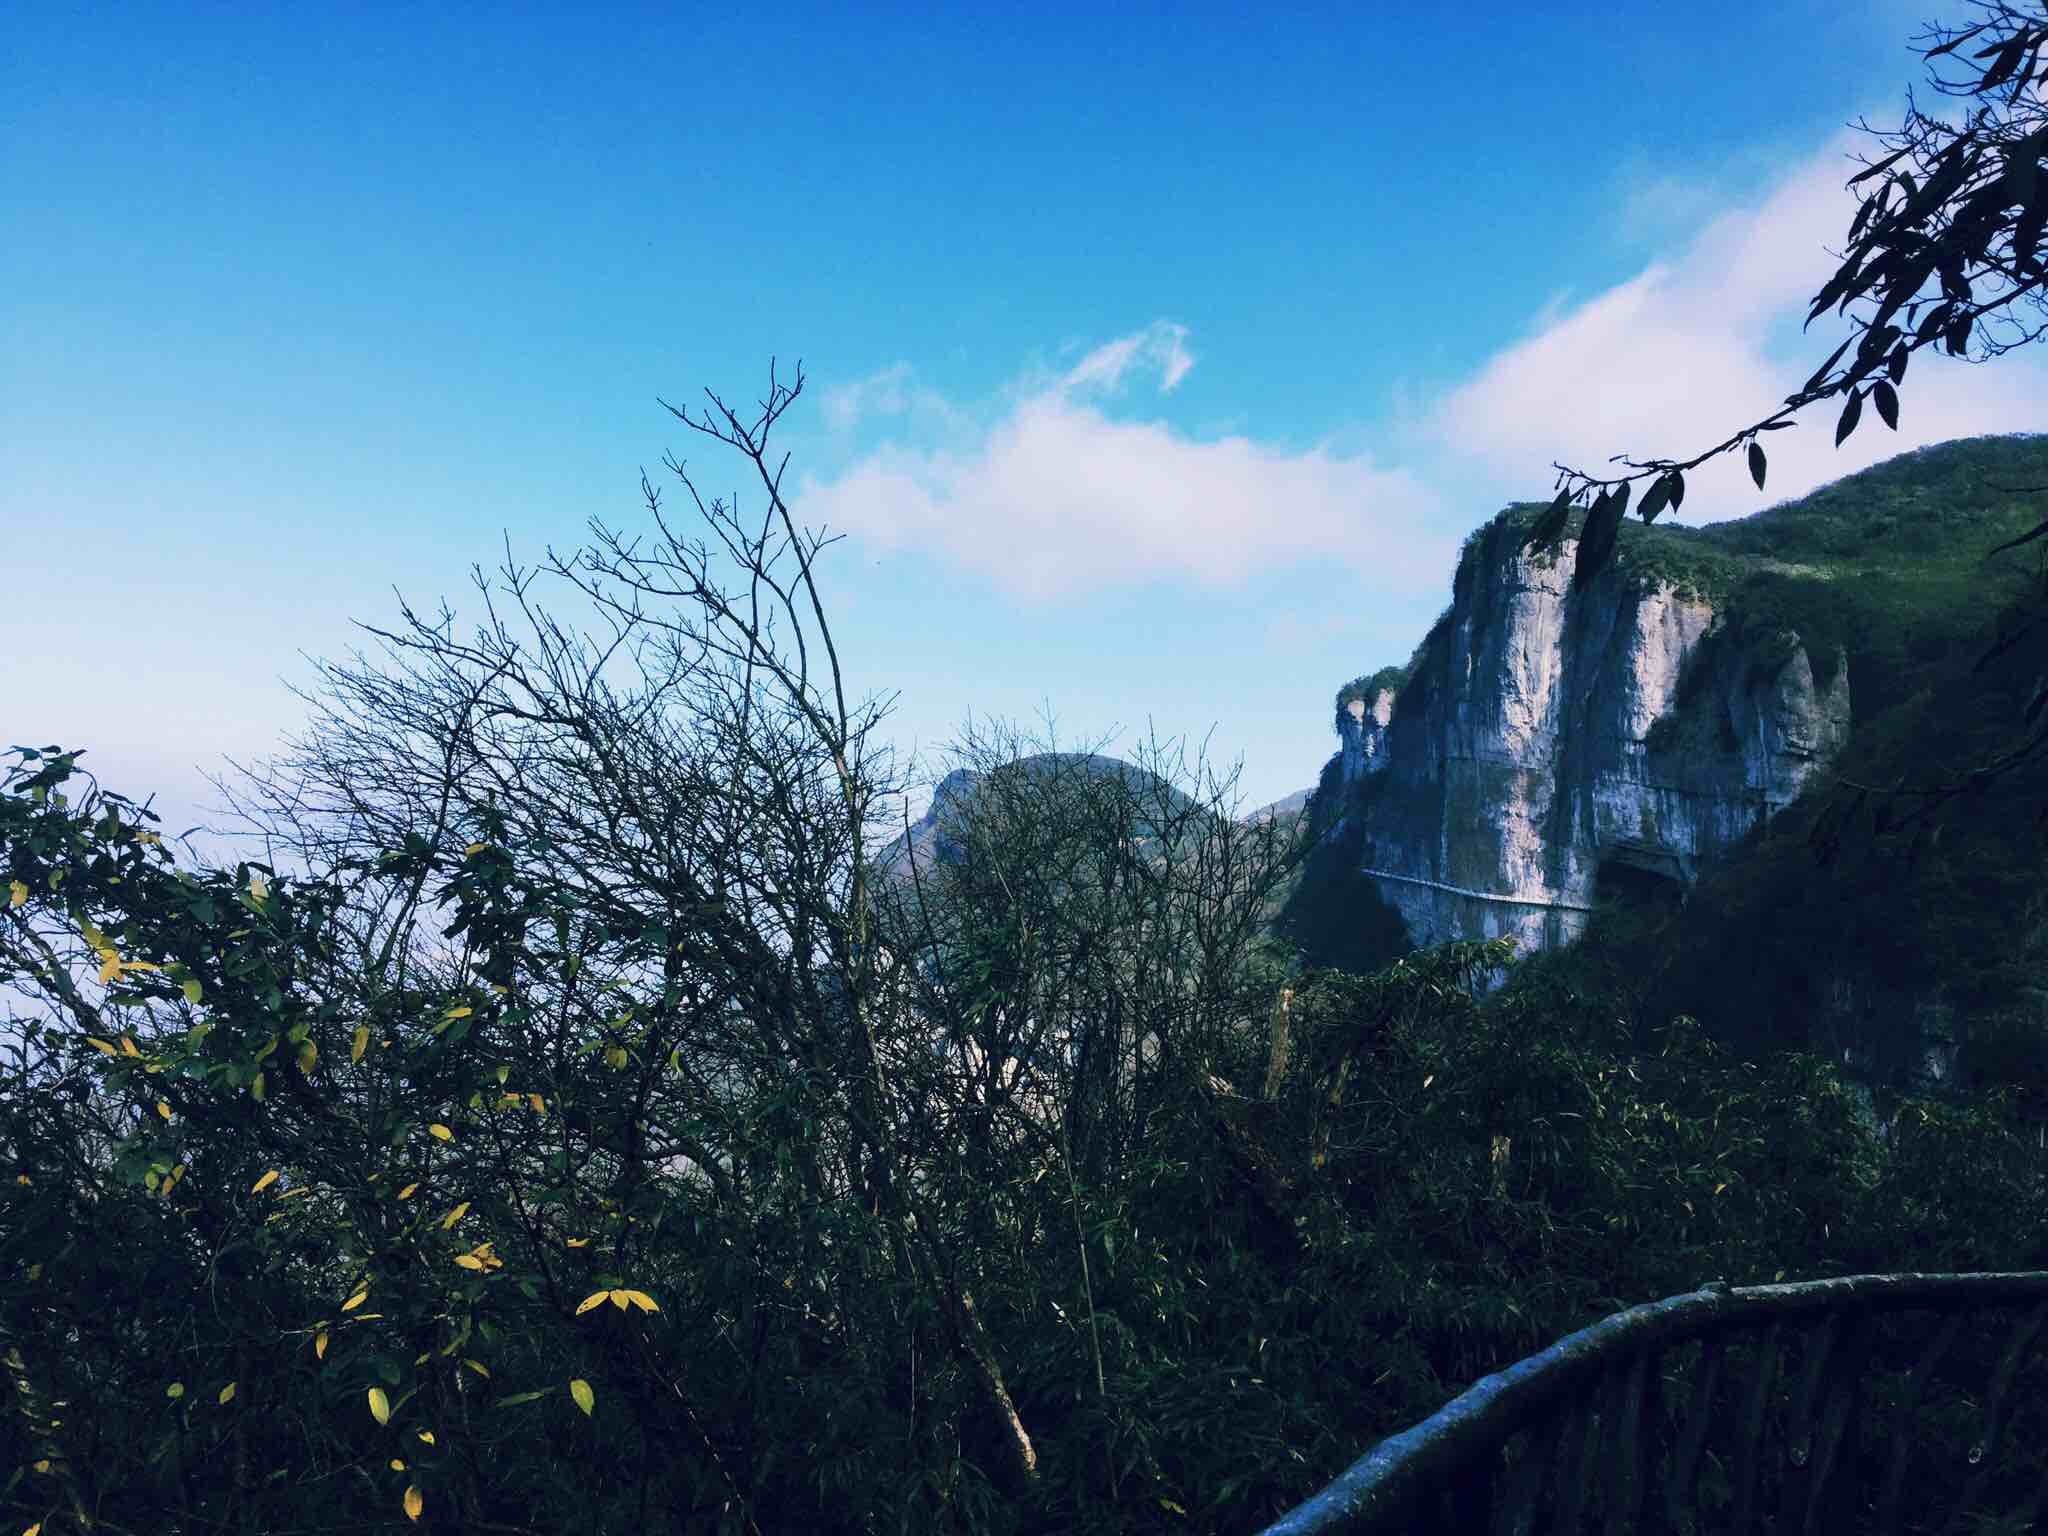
(414,1503)
(111,969)
(227,1394)
(594,1299)
(454,1216)
(175,1390)
(421,1359)
(17,894)
(163,1109)
(43,1466)
(478,1368)
(37,1528)
(469,1261)
(501,989)
(193,991)
(101,1046)
(642,1300)
(458,1013)
(308,1054)
(263,1183)
(618,1299)
(258,887)
(320,1345)
(128,1046)
(427,1435)
(407,1192)
(580,1242)
(615,1056)
(585,1398)
(440,1132)
(474,849)
(1719,1187)
(359,1042)
(540,1105)
(355,1301)
(256,1088)
(380,1405)
(397,1465)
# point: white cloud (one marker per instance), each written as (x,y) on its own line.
(1057,499)
(892,392)
(1162,343)
(1042,494)
(1703,343)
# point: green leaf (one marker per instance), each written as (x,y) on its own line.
(518,1398)
(1887,400)
(1756,462)
(1656,499)
(1597,538)
(585,1398)
(1544,532)
(1851,414)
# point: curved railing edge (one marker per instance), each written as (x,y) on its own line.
(1393,1473)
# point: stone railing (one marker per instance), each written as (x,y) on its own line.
(1880,1403)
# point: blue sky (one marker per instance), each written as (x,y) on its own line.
(1158,359)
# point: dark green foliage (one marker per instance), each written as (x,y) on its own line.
(1372,683)
(1439,1183)
(1854,922)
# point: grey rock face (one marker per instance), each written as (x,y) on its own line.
(1520,758)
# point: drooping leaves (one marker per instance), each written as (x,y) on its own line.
(1756,462)
(1545,532)
(1851,414)
(1597,539)
(1658,497)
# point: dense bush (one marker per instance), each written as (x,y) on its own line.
(564,1127)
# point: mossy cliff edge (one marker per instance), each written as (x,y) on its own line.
(1553,752)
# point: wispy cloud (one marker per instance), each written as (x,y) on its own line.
(1057,499)
(1705,341)
(1162,344)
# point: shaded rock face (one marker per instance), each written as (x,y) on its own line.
(1520,758)
(935,838)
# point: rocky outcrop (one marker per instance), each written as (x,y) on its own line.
(1362,727)
(1548,733)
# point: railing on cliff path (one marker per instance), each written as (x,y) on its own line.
(1883,1403)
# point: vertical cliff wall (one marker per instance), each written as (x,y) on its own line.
(1547,733)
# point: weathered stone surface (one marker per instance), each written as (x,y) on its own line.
(1520,757)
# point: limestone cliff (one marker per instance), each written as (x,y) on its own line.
(1548,732)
